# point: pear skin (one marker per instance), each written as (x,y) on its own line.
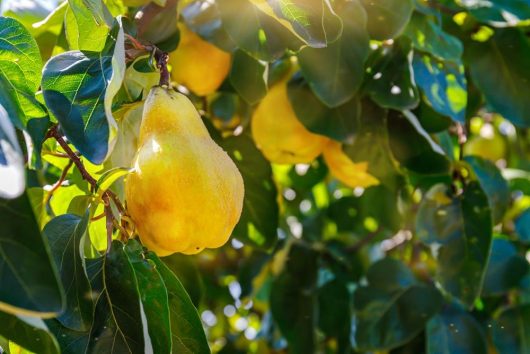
(197,64)
(186,193)
(279,134)
(345,170)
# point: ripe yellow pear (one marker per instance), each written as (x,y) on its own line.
(197,64)
(185,194)
(279,134)
(345,170)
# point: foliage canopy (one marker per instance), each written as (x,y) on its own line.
(426,253)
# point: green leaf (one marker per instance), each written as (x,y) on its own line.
(225,106)
(123,299)
(336,82)
(429,37)
(499,69)
(161,27)
(37,129)
(387,18)
(354,213)
(500,13)
(70,341)
(78,88)
(12,175)
(249,269)
(432,121)
(66,234)
(371,144)
(26,12)
(248,77)
(493,184)
(108,178)
(19,47)
(511,330)
(522,226)
(390,315)
(253,31)
(413,147)
(506,268)
(30,333)
(390,275)
(185,269)
(459,229)
(313,21)
(305,180)
(20,73)
(455,331)
(293,299)
(206,22)
(337,123)
(390,82)
(443,85)
(52,23)
(259,219)
(85,25)
(129,118)
(186,327)
(140,77)
(106,335)
(29,281)
(154,297)
(335,310)
(518,179)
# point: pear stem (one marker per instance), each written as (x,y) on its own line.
(160,57)
(161,61)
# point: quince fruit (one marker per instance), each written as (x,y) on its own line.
(345,170)
(185,194)
(279,134)
(490,148)
(197,64)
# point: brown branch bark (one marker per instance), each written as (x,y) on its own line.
(107,196)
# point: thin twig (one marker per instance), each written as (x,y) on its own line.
(362,242)
(54,132)
(109,222)
(97,217)
(59,182)
(74,157)
(57,154)
(107,196)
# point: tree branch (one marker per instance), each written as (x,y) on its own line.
(107,195)
(362,242)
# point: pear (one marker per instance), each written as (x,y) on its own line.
(345,170)
(185,193)
(198,64)
(279,134)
